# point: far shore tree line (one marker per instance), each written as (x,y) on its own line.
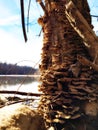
(8,69)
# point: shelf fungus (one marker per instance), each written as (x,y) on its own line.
(69,75)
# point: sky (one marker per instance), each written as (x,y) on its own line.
(94,11)
(13,48)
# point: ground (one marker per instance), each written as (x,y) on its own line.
(20,117)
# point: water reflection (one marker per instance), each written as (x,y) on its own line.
(19,83)
(17,79)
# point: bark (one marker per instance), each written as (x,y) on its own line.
(84,30)
(67,84)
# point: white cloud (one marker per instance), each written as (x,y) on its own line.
(10,20)
(5,11)
(14,50)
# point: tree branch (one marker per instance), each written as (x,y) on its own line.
(43,7)
(87,62)
(20,93)
(22,19)
(80,25)
(95,16)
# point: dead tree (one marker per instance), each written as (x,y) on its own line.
(69,72)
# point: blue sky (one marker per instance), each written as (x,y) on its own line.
(13,49)
(94,11)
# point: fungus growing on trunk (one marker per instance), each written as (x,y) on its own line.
(68,74)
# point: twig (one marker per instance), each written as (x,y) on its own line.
(28,15)
(23,20)
(43,7)
(95,16)
(14,102)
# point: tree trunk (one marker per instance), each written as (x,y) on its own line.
(69,100)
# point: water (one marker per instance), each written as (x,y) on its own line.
(21,83)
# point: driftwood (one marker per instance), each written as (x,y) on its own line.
(82,27)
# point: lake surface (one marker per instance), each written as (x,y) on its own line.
(22,83)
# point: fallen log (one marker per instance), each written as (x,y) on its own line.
(81,26)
